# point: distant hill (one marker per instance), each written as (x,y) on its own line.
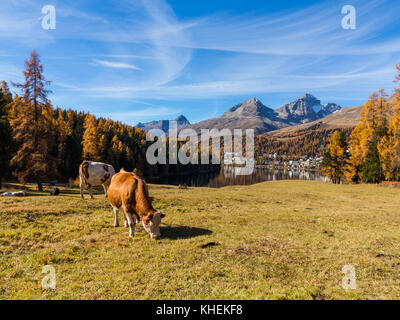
(164,124)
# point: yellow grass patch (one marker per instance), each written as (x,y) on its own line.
(274,240)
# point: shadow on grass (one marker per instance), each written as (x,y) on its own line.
(182,232)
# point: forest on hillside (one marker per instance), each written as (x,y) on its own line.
(308,142)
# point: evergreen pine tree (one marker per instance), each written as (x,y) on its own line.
(33,130)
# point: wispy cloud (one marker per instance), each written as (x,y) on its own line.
(255,54)
(315,30)
(120,56)
(113,64)
(64,85)
(10,72)
(67,12)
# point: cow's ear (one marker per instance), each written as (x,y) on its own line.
(162,215)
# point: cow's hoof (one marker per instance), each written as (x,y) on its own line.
(116,225)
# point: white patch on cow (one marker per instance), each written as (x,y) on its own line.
(116,222)
(153,227)
(131,224)
(126,222)
(97,176)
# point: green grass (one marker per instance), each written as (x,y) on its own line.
(275,240)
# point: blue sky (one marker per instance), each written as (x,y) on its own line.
(142,60)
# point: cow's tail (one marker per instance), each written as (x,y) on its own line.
(81,172)
(82,178)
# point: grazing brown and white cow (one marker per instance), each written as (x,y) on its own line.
(93,174)
(129,192)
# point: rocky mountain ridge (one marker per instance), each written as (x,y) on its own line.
(253,114)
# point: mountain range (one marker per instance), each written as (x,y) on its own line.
(307,108)
(253,114)
(182,123)
(346,118)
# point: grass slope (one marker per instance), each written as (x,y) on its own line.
(276,240)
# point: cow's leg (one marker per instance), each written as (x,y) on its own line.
(136,218)
(131,224)
(105,189)
(116,222)
(81,189)
(91,191)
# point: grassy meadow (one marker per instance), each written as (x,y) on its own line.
(273,240)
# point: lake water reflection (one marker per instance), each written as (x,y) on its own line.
(226,176)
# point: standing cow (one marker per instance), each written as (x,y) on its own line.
(129,192)
(93,174)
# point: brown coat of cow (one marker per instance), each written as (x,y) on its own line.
(129,192)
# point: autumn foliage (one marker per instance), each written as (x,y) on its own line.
(335,157)
(374,145)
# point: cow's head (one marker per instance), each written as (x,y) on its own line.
(151,224)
